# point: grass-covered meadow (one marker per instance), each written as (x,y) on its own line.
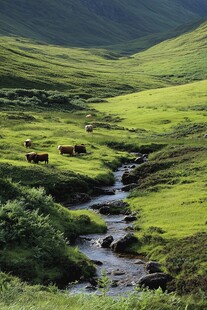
(170,196)
(171,192)
(48,127)
(165,119)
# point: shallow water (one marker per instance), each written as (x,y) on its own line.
(123,270)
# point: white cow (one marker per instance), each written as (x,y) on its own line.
(89,128)
(28,143)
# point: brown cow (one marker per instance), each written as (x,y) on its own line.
(41,157)
(28,143)
(65,149)
(79,148)
(30,156)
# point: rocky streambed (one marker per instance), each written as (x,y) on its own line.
(123,272)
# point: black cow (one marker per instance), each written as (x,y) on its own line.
(79,148)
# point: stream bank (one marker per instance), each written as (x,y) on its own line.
(122,270)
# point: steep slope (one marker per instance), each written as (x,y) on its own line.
(145,42)
(182,59)
(99,73)
(198,7)
(87,22)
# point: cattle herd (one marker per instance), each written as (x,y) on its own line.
(63,149)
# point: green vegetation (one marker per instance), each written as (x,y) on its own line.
(46,93)
(97,24)
(172,181)
(99,73)
(36,231)
(35,235)
(45,298)
(75,71)
(171,187)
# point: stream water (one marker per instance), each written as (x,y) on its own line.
(124,271)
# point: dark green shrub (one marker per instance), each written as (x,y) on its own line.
(22,226)
(8,190)
(144,149)
(33,249)
(35,98)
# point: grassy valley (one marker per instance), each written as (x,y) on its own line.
(148,97)
(97,24)
(100,73)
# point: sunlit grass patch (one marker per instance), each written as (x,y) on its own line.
(178,210)
(158,110)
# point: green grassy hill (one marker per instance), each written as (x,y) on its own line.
(100,73)
(81,23)
(170,197)
(198,7)
(145,42)
(152,102)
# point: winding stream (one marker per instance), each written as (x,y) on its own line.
(124,271)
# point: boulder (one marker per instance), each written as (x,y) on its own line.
(97,262)
(153,267)
(145,157)
(118,272)
(102,191)
(90,288)
(133,166)
(121,244)
(93,281)
(105,210)
(128,187)
(106,242)
(130,218)
(128,177)
(155,280)
(111,207)
(139,262)
(139,160)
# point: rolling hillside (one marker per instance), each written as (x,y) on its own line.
(86,22)
(139,67)
(100,73)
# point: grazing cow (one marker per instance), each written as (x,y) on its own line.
(30,156)
(88,115)
(79,148)
(28,143)
(89,128)
(65,149)
(41,157)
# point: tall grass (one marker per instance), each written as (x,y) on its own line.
(16,296)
